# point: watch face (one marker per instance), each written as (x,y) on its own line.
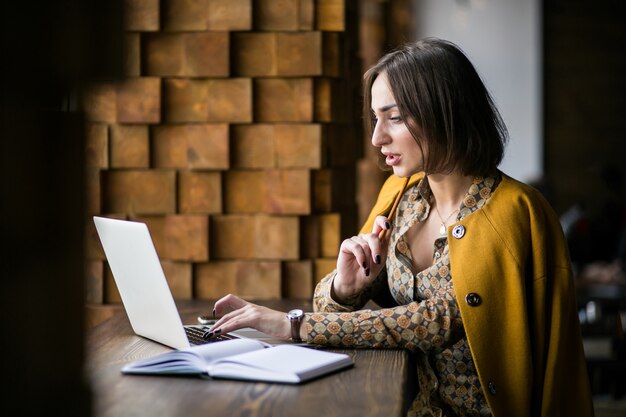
(295,314)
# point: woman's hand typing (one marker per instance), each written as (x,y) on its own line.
(246,314)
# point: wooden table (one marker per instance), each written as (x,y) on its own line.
(382,382)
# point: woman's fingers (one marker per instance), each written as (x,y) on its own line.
(251,315)
(380,223)
(229,300)
(360,250)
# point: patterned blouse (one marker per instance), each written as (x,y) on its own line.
(419,312)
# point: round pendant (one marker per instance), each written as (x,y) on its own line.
(442,229)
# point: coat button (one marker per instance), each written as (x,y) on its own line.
(458,231)
(492,388)
(472,299)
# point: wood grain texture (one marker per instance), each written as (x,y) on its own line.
(229,15)
(249,280)
(129,146)
(353,392)
(199,192)
(139,192)
(141,15)
(283,99)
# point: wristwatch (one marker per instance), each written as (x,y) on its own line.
(295,317)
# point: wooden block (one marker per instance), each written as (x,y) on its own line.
(164,54)
(97,145)
(324,106)
(132,55)
(244,191)
(270,237)
(297,280)
(230,100)
(306,14)
(215,279)
(94,271)
(141,15)
(139,192)
(232,237)
(275,15)
(214,100)
(203,54)
(258,280)
(179,279)
(287,191)
(192,146)
(200,192)
(185,100)
(208,146)
(187,238)
(330,235)
(139,100)
(283,100)
(282,54)
(323,191)
(253,145)
(330,15)
(323,267)
(99,102)
(299,54)
(277,237)
(93,191)
(183,15)
(129,146)
(207,54)
(270,191)
(169,146)
(250,280)
(255,54)
(298,145)
(229,15)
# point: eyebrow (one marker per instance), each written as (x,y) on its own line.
(386,107)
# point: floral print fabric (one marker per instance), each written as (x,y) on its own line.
(426,319)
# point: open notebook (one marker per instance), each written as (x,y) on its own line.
(143,287)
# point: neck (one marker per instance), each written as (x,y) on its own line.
(448,190)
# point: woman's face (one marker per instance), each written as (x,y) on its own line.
(391,134)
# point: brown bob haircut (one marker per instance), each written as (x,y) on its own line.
(445,105)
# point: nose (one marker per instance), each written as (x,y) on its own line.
(380,136)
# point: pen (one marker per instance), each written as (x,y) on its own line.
(383,233)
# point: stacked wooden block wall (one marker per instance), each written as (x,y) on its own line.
(234,136)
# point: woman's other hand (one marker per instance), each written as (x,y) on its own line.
(361,258)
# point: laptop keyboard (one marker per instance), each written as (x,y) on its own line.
(194,334)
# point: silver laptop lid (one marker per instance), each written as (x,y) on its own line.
(141,282)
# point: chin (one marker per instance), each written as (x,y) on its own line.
(404,172)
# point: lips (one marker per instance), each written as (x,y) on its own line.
(392,159)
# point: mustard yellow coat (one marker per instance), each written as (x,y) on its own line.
(524,335)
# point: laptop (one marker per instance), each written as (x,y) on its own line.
(144,290)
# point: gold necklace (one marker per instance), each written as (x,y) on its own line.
(443,227)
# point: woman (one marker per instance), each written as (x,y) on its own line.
(471,272)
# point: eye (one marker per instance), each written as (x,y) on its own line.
(396,119)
